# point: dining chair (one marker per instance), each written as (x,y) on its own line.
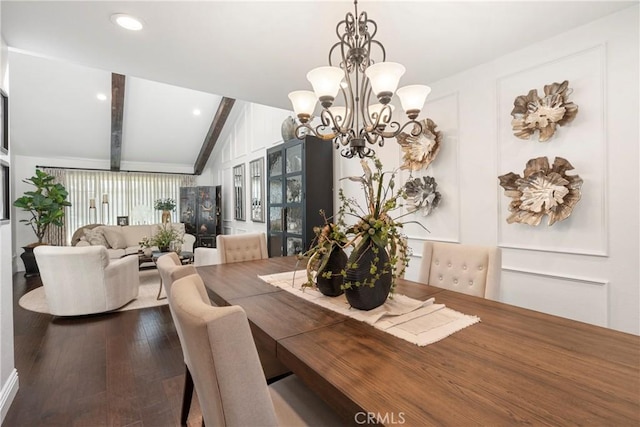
(171,269)
(227,374)
(206,256)
(472,270)
(242,247)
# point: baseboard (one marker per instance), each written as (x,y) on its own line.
(7,393)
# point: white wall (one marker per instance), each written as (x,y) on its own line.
(250,130)
(584,268)
(8,373)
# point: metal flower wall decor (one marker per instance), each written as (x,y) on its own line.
(533,113)
(422,195)
(542,191)
(420,150)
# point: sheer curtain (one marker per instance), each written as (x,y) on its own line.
(119,194)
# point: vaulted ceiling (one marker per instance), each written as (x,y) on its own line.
(192,53)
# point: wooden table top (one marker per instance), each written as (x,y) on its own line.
(515,366)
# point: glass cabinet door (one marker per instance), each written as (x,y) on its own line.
(285,198)
(275,163)
(294,189)
(294,159)
(294,220)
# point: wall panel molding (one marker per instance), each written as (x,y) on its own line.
(583,142)
(584,299)
(444,222)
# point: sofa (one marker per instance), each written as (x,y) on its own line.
(84,280)
(124,240)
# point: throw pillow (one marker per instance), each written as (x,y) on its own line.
(96,237)
(115,238)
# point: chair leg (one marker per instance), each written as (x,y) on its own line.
(187,395)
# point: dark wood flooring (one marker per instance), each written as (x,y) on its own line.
(117,369)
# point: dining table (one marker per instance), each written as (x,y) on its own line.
(515,366)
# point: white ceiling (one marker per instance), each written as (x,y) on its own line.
(253,51)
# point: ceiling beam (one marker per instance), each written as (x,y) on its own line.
(117,113)
(212,135)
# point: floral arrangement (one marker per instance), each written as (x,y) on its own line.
(165,236)
(375,226)
(167,204)
(328,237)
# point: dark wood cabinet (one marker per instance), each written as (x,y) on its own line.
(199,211)
(299,184)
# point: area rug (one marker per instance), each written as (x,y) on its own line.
(35,300)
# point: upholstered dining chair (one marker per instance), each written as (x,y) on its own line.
(472,270)
(206,256)
(241,247)
(171,269)
(226,370)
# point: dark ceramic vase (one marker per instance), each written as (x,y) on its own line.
(367,297)
(337,261)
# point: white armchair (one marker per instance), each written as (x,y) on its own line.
(83,280)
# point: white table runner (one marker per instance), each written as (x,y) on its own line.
(419,322)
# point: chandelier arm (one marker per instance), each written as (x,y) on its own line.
(365,23)
(381,47)
(364,106)
(303,129)
(417,129)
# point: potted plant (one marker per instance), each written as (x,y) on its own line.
(166,238)
(381,253)
(326,258)
(46,205)
(167,206)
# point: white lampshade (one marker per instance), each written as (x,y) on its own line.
(412,97)
(339,116)
(375,109)
(303,101)
(326,81)
(384,76)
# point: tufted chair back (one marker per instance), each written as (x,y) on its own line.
(242,247)
(472,270)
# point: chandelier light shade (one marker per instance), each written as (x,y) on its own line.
(362,83)
(412,98)
(304,102)
(326,83)
(384,78)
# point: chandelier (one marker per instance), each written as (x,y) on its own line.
(353,122)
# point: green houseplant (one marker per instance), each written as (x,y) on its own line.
(165,237)
(45,204)
(167,206)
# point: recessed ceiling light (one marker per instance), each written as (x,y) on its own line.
(127,21)
(101,97)
(196,112)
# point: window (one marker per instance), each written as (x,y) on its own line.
(117,194)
